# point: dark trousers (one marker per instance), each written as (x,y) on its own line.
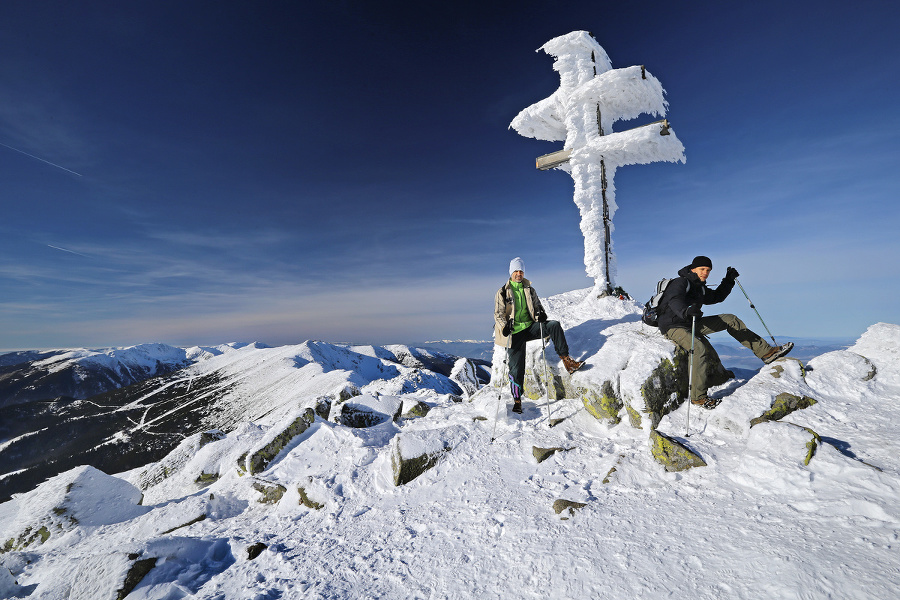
(517,350)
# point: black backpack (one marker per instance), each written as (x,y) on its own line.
(651,312)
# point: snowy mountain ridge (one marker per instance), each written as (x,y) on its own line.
(351,472)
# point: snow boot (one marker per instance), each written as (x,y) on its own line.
(706,402)
(777,352)
(571,364)
(517,407)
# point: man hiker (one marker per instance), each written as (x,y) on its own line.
(679,305)
(519,318)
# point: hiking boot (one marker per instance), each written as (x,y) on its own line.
(777,352)
(570,363)
(706,402)
(517,407)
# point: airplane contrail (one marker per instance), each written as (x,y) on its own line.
(69,251)
(41,159)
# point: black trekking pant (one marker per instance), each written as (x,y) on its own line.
(551,329)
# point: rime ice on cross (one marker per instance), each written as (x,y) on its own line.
(591,97)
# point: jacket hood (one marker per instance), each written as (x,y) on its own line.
(689,275)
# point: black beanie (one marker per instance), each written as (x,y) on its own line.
(701,261)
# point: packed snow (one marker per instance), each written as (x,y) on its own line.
(766,518)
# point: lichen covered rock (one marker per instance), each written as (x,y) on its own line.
(271,492)
(672,454)
(783,405)
(603,404)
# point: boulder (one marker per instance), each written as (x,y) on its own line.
(136,573)
(271,492)
(414,408)
(367,410)
(414,452)
(672,454)
(275,443)
(254,550)
(603,404)
(783,405)
(542,454)
(570,505)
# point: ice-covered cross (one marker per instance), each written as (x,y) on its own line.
(591,97)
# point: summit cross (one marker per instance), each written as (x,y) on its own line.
(591,97)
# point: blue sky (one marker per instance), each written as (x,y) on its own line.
(283,171)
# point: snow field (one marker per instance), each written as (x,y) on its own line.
(757,522)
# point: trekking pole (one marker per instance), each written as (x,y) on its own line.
(546,378)
(757,312)
(687,421)
(500,390)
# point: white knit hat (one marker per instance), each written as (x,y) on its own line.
(516,264)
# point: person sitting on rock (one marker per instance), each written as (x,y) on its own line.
(519,317)
(680,304)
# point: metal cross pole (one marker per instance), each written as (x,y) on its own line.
(606,242)
(607,250)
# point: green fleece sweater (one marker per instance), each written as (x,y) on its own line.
(522,320)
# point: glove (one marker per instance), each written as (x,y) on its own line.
(507,328)
(694,311)
(541,316)
(731,274)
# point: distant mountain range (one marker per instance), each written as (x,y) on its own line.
(120,408)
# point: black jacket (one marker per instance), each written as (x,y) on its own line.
(684,290)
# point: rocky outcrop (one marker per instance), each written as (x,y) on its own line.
(82,496)
(635,373)
(177,459)
(136,573)
(306,501)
